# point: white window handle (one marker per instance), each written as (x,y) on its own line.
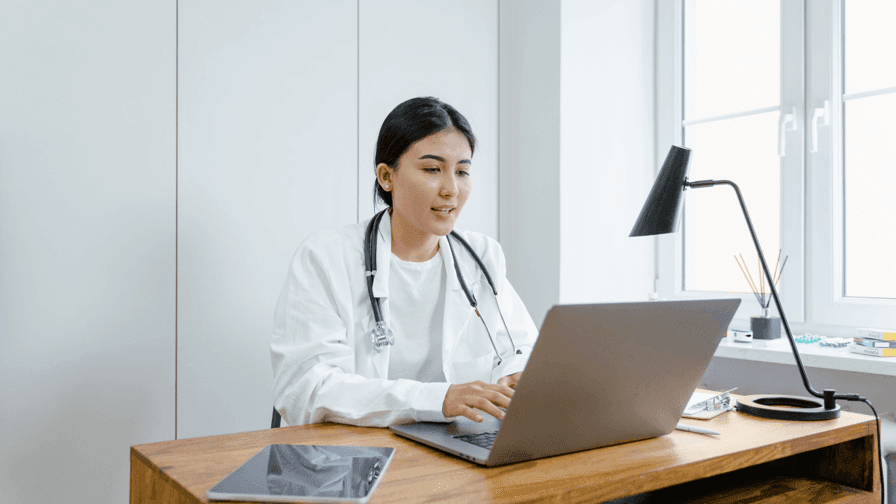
(822,113)
(787,123)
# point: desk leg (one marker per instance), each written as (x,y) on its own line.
(149,485)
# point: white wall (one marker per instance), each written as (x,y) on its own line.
(267,146)
(159,164)
(432,48)
(606,149)
(576,149)
(87,244)
(270,129)
(529,212)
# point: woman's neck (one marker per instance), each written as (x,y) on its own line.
(411,244)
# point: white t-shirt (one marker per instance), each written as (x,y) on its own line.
(417,310)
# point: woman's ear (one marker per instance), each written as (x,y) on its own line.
(384,176)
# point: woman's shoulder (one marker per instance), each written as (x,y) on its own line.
(332,240)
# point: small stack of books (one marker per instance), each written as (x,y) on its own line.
(876,342)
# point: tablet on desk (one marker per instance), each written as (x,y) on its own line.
(306,473)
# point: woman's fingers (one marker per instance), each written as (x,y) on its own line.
(483,404)
(471,414)
(510,380)
(461,400)
(499,398)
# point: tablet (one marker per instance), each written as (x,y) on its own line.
(306,473)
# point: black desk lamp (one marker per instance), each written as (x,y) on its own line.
(660,216)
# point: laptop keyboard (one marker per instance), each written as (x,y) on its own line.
(484,439)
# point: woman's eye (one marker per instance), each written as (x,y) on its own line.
(464,173)
(431,169)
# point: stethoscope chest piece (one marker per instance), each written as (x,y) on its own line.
(381,336)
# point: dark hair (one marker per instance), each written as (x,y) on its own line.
(409,122)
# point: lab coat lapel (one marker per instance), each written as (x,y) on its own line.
(457,307)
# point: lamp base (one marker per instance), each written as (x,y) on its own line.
(783,407)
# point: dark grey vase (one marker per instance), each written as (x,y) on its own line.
(765,328)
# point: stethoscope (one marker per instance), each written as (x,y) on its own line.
(381,336)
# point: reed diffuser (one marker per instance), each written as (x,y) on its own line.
(763,327)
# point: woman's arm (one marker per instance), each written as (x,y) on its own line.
(313,357)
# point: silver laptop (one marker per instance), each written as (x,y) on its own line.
(599,375)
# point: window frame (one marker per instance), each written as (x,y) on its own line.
(670,114)
(827,303)
(811,232)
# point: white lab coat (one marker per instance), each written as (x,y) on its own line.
(325,368)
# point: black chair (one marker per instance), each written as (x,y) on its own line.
(275,420)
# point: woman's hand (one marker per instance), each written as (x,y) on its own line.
(511,380)
(462,398)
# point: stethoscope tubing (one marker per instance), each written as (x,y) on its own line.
(370,266)
(370,263)
(472,299)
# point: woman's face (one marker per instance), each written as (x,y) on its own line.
(431,184)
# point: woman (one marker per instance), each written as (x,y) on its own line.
(444,362)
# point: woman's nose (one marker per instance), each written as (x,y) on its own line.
(449,185)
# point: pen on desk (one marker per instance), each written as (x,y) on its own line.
(699,430)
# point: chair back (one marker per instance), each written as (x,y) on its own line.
(275,420)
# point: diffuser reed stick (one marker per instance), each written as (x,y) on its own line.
(759,291)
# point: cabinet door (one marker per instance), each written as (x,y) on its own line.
(267,151)
(449,50)
(87,243)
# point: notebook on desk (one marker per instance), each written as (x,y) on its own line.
(599,375)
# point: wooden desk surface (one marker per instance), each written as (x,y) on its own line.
(843,452)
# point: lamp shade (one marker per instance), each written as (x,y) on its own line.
(659,215)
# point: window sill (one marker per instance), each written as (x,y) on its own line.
(779,352)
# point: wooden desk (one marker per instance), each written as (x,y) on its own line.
(754,460)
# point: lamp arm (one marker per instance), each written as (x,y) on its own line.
(771,284)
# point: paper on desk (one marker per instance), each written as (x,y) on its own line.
(704,406)
(695,403)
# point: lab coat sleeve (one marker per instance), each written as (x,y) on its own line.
(313,358)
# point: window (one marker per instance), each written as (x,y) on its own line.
(869,172)
(794,102)
(732,96)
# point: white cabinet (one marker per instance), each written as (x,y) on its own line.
(267,102)
(411,48)
(160,162)
(280,105)
(87,244)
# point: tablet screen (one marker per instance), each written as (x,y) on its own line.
(308,473)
